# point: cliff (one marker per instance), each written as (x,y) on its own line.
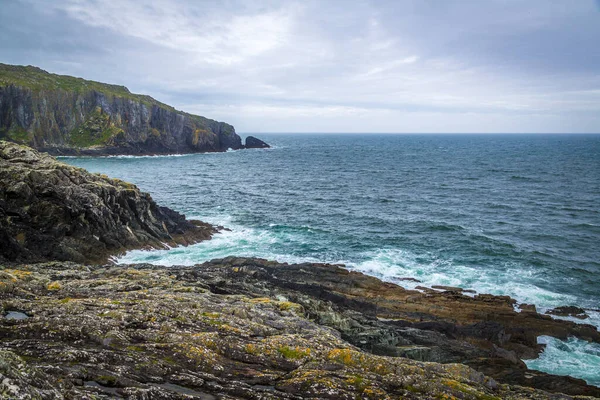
(53,211)
(64,115)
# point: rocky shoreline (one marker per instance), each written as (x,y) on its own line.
(106,151)
(53,211)
(74,327)
(242,328)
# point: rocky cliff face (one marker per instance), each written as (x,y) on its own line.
(53,211)
(66,115)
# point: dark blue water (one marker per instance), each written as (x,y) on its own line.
(502,214)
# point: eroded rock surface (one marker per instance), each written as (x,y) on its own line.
(52,211)
(252,329)
(569,311)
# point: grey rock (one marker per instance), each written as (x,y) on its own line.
(52,211)
(254,143)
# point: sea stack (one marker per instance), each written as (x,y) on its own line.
(255,143)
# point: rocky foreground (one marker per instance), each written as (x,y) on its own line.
(53,211)
(254,329)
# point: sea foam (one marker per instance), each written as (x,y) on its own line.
(574,357)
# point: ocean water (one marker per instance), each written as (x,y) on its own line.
(515,215)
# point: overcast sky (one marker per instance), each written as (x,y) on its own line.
(331,66)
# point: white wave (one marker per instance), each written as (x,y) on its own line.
(391,265)
(573,357)
(394,265)
(127,156)
(238,241)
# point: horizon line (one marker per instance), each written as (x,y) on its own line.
(418,133)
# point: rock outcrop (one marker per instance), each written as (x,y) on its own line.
(483,332)
(64,115)
(569,311)
(241,329)
(53,211)
(254,143)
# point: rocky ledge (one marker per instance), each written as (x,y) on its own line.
(52,211)
(252,329)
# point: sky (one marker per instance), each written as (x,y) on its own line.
(405,66)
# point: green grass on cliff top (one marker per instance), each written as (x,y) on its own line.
(37,79)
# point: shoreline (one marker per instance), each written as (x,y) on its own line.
(408,282)
(100,309)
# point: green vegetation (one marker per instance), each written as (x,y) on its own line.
(96,130)
(16,134)
(107,380)
(293,353)
(37,79)
(358,382)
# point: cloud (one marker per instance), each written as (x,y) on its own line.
(367,65)
(209,34)
(334,119)
(390,65)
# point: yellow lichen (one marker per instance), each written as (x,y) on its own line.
(343,356)
(251,349)
(374,393)
(464,388)
(202,356)
(288,305)
(206,339)
(230,329)
(353,358)
(294,353)
(20,237)
(54,286)
(260,300)
(17,274)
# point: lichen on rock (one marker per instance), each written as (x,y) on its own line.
(145,331)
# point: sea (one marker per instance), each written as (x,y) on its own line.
(515,215)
